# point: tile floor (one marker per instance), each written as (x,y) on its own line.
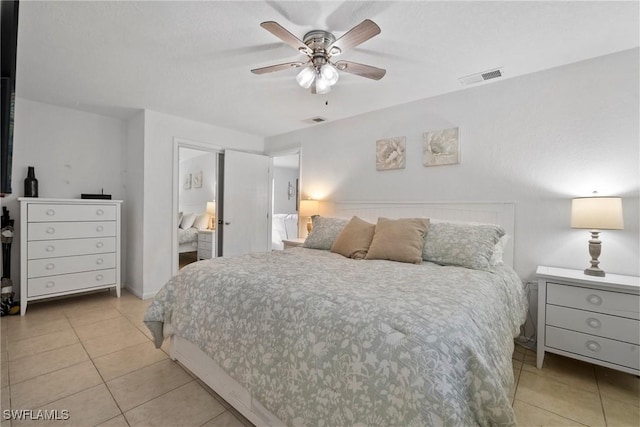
(92,355)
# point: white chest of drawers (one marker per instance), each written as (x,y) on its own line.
(595,319)
(68,246)
(206,244)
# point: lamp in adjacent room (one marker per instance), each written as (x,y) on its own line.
(308,208)
(211,210)
(595,214)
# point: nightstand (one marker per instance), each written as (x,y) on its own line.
(206,244)
(293,243)
(594,319)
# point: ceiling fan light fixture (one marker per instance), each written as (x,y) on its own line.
(305,77)
(322,86)
(330,74)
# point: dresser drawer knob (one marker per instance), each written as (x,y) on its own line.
(99,245)
(594,323)
(99,261)
(99,277)
(99,228)
(50,284)
(50,230)
(50,248)
(99,212)
(50,266)
(593,346)
(594,299)
(51,212)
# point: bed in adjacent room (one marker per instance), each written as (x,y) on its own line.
(283,227)
(313,336)
(188,226)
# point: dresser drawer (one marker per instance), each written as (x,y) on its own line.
(205,253)
(53,212)
(70,282)
(204,245)
(57,248)
(72,264)
(617,304)
(602,325)
(69,230)
(604,349)
(205,237)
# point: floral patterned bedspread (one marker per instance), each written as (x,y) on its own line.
(324,340)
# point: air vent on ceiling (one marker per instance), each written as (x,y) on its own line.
(315,120)
(481,77)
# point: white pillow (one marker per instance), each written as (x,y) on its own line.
(187,221)
(180,215)
(202,221)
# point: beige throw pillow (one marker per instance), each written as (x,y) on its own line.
(354,239)
(399,239)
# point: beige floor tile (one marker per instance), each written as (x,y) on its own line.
(4,399)
(226,419)
(48,361)
(84,317)
(567,401)
(103,327)
(518,352)
(189,405)
(100,346)
(618,385)
(128,360)
(39,312)
(118,421)
(55,385)
(529,415)
(86,408)
(30,346)
(620,414)
(142,327)
(4,373)
(574,373)
(147,383)
(30,328)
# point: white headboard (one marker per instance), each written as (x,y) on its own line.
(502,214)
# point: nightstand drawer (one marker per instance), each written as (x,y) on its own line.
(205,253)
(602,325)
(617,352)
(205,237)
(615,303)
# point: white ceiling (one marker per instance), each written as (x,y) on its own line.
(192,59)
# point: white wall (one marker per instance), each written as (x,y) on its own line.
(536,140)
(73,152)
(134,206)
(282,177)
(194,200)
(159,133)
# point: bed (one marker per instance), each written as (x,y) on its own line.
(309,336)
(188,226)
(283,227)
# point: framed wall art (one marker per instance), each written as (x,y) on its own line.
(441,147)
(391,153)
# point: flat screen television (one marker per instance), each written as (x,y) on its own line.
(9,30)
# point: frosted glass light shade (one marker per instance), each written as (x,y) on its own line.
(306,77)
(329,74)
(322,86)
(597,213)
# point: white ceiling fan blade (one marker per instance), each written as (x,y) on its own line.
(277,67)
(361,70)
(284,35)
(355,36)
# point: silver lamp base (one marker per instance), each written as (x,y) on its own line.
(595,247)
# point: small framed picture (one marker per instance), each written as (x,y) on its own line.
(197,180)
(186,183)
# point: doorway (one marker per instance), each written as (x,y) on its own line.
(285,199)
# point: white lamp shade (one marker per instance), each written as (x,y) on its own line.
(308,208)
(330,74)
(306,76)
(211,208)
(597,213)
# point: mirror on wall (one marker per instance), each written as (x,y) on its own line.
(197,175)
(285,199)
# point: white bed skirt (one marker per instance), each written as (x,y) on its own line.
(200,364)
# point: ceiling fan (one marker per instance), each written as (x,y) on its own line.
(321,47)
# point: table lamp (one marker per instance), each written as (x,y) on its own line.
(211,210)
(308,208)
(595,214)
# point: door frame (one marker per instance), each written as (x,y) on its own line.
(177,144)
(288,152)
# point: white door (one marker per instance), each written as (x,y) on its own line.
(245,217)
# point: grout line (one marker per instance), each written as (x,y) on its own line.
(551,412)
(604,413)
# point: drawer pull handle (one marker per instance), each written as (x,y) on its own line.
(594,299)
(99,245)
(51,212)
(99,277)
(50,230)
(594,323)
(50,248)
(99,261)
(99,228)
(99,212)
(50,266)
(50,284)
(593,346)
